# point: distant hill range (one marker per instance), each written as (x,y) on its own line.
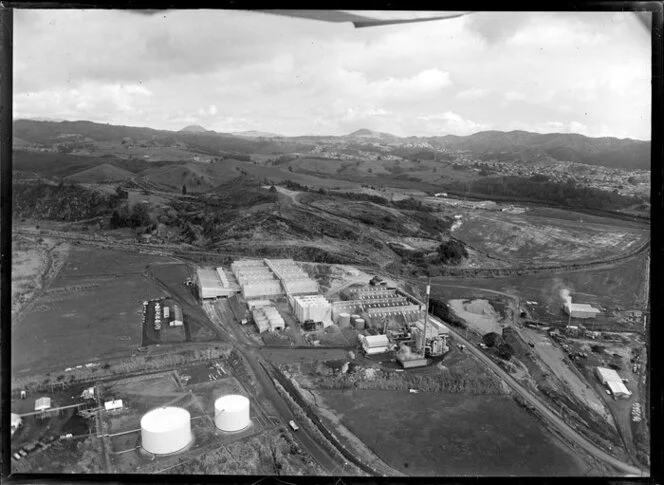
(364,133)
(193,129)
(256,134)
(490,145)
(607,152)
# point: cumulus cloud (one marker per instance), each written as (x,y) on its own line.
(423,83)
(555,127)
(209,111)
(293,76)
(450,122)
(515,96)
(92,101)
(473,93)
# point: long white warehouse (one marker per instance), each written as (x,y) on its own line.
(210,285)
(581,310)
(262,289)
(293,278)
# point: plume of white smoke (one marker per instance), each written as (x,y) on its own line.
(404,353)
(564,294)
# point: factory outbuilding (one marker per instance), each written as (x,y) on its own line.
(267,318)
(374,344)
(231,413)
(612,381)
(16,423)
(580,310)
(165,430)
(42,404)
(113,405)
(178,319)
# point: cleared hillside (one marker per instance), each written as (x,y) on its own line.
(101,173)
(197,177)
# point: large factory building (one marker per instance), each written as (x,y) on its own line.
(293,278)
(213,284)
(312,307)
(256,279)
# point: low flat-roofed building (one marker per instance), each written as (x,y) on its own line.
(42,404)
(112,405)
(612,380)
(581,310)
(374,344)
(16,423)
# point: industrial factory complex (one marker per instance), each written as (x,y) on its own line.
(384,318)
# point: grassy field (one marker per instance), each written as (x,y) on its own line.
(29,263)
(91,311)
(435,434)
(277,175)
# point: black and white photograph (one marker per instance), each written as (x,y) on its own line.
(328,243)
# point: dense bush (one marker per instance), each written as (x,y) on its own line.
(440,309)
(490,339)
(452,252)
(289,184)
(136,216)
(412,204)
(505,351)
(376,199)
(66,201)
(540,188)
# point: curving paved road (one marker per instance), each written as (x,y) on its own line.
(552,417)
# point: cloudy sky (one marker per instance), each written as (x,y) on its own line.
(586,73)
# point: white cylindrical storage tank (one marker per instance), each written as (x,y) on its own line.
(344,319)
(353,318)
(165,430)
(359,323)
(231,413)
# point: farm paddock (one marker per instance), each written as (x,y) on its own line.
(92,310)
(464,435)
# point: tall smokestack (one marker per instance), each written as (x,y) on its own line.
(426,320)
